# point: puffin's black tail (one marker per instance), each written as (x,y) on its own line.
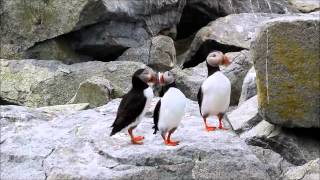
(114,130)
(156,117)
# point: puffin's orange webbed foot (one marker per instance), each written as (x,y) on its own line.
(210,128)
(138,138)
(222,128)
(136,142)
(172,143)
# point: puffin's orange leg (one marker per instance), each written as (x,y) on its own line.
(208,128)
(135,140)
(220,116)
(169,142)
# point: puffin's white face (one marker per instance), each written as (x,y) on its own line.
(166,78)
(217,58)
(148,76)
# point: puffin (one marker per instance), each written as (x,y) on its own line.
(170,109)
(214,93)
(134,104)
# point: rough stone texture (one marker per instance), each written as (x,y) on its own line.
(286,59)
(309,171)
(106,27)
(65,108)
(189,80)
(23,23)
(130,24)
(241,116)
(226,34)
(249,86)
(41,83)
(78,146)
(158,53)
(217,8)
(305,5)
(96,91)
(55,49)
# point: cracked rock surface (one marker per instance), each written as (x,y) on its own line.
(41,144)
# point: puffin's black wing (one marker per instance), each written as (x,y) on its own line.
(156,114)
(131,106)
(199,97)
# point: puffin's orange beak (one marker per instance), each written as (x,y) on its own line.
(153,78)
(226,60)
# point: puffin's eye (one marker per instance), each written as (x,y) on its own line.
(214,55)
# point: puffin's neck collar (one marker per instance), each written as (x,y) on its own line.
(212,69)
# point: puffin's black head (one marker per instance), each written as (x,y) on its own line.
(143,78)
(166,78)
(216,58)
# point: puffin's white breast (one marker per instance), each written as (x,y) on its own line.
(216,91)
(172,109)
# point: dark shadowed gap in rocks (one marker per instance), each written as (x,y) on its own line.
(5,102)
(296,145)
(206,48)
(191,21)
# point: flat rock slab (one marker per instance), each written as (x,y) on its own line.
(55,145)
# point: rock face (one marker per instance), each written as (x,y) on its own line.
(77,145)
(40,83)
(216,8)
(286,58)
(249,86)
(158,53)
(96,91)
(130,24)
(104,28)
(226,34)
(306,5)
(189,80)
(23,23)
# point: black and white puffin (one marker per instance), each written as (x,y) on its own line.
(134,104)
(170,109)
(214,93)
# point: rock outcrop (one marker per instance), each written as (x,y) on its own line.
(158,53)
(40,83)
(101,29)
(71,145)
(286,59)
(24,23)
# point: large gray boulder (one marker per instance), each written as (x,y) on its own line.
(158,52)
(286,59)
(189,80)
(96,91)
(41,82)
(24,23)
(77,145)
(228,34)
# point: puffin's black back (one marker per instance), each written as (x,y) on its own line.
(132,104)
(156,113)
